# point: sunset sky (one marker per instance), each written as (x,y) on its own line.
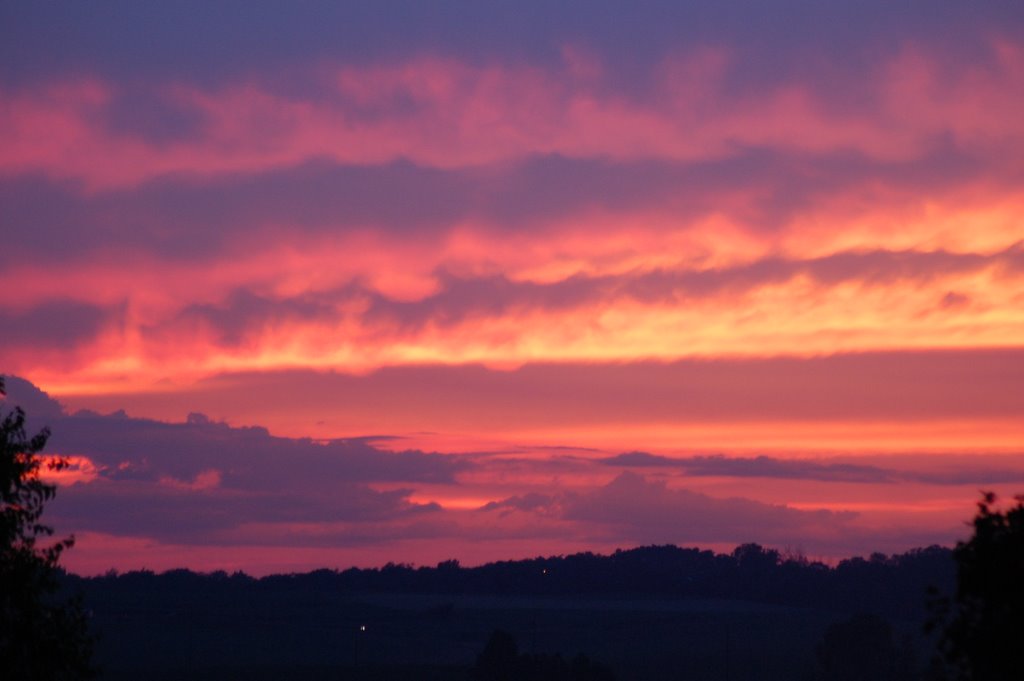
(303,285)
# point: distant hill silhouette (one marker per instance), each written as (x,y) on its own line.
(889,585)
(654,612)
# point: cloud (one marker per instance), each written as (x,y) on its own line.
(202,480)
(244,321)
(185,514)
(953,300)
(56,325)
(630,39)
(669,223)
(458,113)
(247,457)
(546,195)
(496,296)
(180,217)
(914,392)
(530,502)
(202,483)
(633,507)
(541,203)
(37,404)
(824,471)
(770,305)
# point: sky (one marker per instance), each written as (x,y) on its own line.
(320,284)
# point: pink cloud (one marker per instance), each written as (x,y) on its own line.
(452,114)
(204,481)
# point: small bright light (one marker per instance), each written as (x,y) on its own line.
(362,627)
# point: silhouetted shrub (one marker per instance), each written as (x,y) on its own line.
(983,625)
(42,636)
(501,661)
(862,649)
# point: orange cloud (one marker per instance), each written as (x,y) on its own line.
(204,481)
(79,469)
(849,302)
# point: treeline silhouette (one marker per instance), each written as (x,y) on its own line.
(893,585)
(502,661)
(653,612)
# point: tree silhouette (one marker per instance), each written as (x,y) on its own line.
(41,636)
(501,661)
(862,649)
(983,636)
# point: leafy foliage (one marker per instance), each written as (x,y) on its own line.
(41,637)
(984,625)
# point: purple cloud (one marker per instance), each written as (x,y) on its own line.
(199,481)
(803,469)
(633,507)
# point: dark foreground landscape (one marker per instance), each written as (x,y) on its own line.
(658,612)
